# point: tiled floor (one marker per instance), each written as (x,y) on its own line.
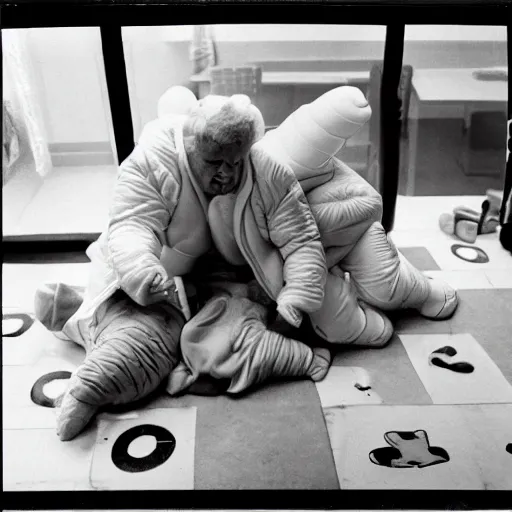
(68,200)
(416,225)
(29,426)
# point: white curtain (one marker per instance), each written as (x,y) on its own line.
(21,98)
(202,48)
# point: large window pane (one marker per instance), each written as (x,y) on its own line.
(58,161)
(453,145)
(457,111)
(453,151)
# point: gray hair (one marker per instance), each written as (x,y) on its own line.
(219,121)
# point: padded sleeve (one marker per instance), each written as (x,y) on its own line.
(344,208)
(145,196)
(292,229)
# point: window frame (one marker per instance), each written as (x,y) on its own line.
(111,17)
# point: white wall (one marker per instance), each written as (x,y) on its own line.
(454,33)
(152,67)
(270,32)
(71,76)
(299,33)
(66,60)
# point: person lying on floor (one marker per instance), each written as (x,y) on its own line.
(366,276)
(166,211)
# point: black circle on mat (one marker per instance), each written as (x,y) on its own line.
(37,394)
(481,255)
(165,445)
(25,326)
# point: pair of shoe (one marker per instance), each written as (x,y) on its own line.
(467,224)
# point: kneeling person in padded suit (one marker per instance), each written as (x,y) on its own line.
(161,218)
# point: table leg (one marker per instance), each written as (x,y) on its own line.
(467,118)
(412,156)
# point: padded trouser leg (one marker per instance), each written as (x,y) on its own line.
(265,354)
(381,275)
(343,319)
(73,415)
(134,348)
(228,339)
(384,278)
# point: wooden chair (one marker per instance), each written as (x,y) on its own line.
(227,81)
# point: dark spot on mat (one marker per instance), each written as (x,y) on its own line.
(481,255)
(509,448)
(165,445)
(362,388)
(37,394)
(454,367)
(443,361)
(408,450)
(384,456)
(449,351)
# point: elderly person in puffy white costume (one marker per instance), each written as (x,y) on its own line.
(163,215)
(198,199)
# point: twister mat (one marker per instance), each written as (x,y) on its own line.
(430,410)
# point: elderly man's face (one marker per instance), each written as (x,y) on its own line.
(219,170)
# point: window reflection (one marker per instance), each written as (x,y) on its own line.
(456,135)
(58,162)
(280,66)
(57,140)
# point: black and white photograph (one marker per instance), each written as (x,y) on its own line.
(256,253)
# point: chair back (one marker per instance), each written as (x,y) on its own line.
(226,81)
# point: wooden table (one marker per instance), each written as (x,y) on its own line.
(444,87)
(456,86)
(295,78)
(449,87)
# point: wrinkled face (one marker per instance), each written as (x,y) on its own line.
(218,170)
